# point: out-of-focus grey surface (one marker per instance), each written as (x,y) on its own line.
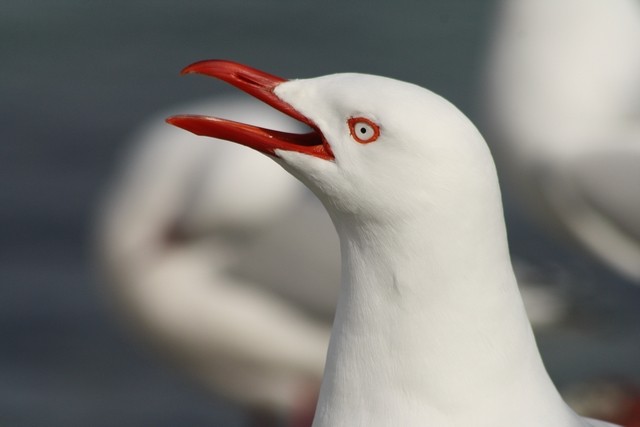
(77,77)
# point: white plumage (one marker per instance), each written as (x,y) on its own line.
(430,328)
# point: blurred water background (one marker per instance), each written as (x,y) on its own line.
(78,76)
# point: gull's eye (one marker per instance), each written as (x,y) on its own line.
(363,130)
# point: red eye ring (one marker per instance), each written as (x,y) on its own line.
(363,130)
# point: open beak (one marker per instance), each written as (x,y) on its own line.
(260,85)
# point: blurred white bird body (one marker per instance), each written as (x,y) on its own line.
(193,236)
(430,328)
(564,106)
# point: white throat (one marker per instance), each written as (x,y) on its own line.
(430,329)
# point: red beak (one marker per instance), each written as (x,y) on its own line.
(260,85)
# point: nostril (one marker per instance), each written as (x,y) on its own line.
(247,79)
(257,80)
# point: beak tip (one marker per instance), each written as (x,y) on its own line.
(204,67)
(194,124)
(178,121)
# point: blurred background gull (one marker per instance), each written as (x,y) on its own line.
(562,113)
(79,77)
(564,89)
(224,262)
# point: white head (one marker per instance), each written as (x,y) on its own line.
(380,148)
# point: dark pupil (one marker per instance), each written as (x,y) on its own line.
(363,130)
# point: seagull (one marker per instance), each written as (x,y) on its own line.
(430,328)
(563,112)
(189,235)
(177,242)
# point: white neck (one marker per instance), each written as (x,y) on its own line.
(430,329)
